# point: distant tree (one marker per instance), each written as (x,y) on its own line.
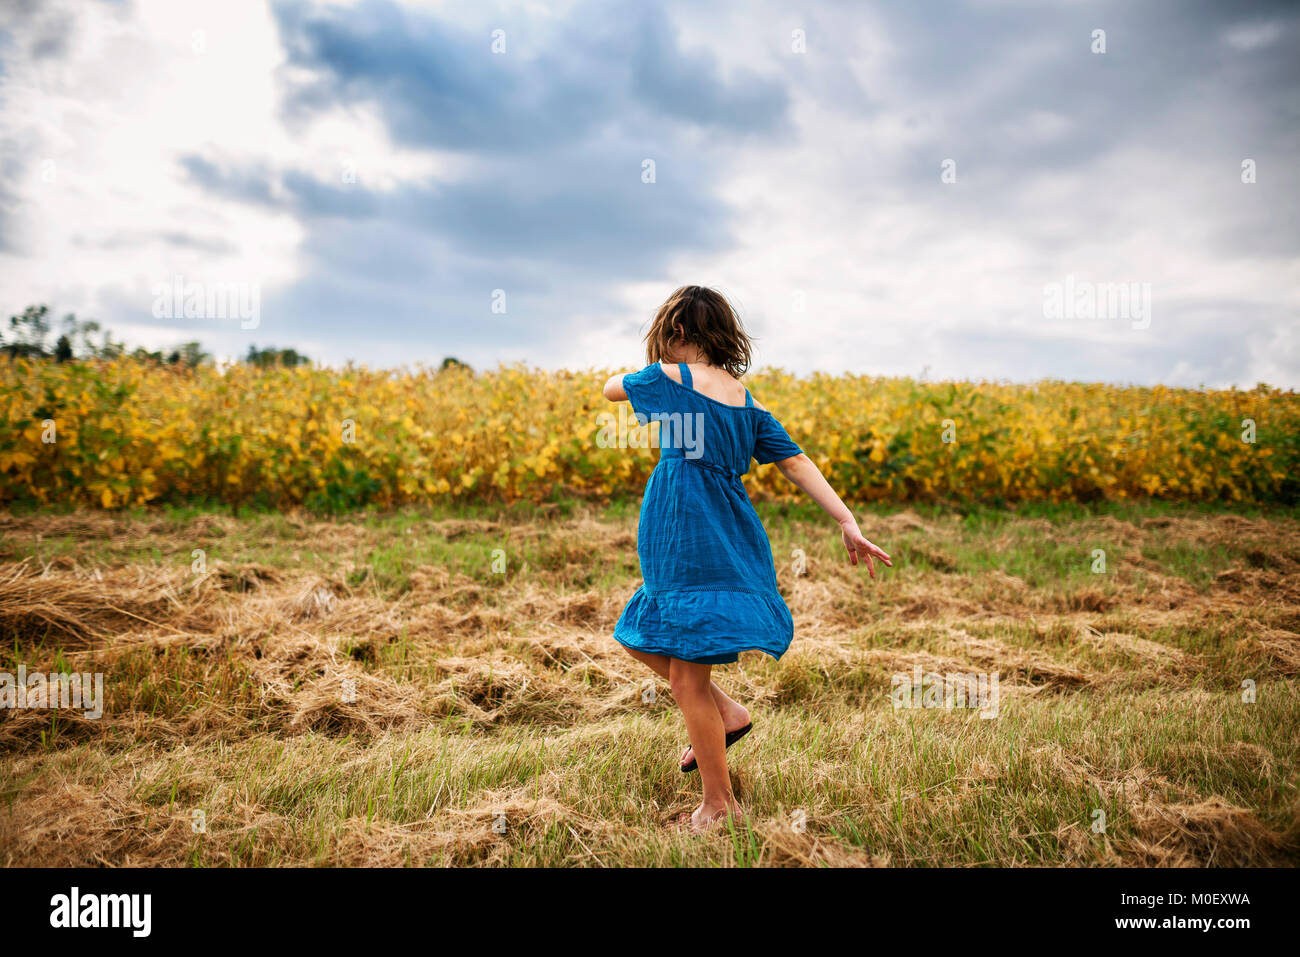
(108,348)
(141,354)
(83,331)
(192,354)
(27,333)
(451,362)
(63,348)
(271,356)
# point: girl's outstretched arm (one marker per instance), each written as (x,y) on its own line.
(802,471)
(614,390)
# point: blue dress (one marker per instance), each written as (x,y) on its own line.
(709,588)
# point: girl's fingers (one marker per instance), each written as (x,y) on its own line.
(880,553)
(867,550)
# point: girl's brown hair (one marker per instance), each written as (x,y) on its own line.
(703,318)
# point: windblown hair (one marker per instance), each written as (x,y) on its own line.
(700,317)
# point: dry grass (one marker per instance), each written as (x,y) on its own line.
(373,691)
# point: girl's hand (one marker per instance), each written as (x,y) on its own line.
(858,546)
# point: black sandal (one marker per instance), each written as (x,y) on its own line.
(732,738)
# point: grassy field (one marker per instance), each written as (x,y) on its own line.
(379,689)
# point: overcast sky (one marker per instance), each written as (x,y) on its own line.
(374,171)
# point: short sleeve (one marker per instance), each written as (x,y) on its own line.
(645,390)
(773,443)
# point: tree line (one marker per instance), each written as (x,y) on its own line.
(28,335)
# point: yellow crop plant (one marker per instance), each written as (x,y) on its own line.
(129,432)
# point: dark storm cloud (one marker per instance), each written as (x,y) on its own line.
(562,128)
(592,210)
(556,203)
(439,85)
(687,86)
(434,84)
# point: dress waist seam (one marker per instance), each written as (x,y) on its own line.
(700,463)
(702,588)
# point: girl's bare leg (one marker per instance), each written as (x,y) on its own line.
(734,715)
(690,683)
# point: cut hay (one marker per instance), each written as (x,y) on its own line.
(354,692)
(75,608)
(1209,833)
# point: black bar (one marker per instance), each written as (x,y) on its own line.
(333,906)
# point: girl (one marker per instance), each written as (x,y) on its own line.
(709,588)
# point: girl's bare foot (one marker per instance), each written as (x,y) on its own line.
(704,819)
(733,719)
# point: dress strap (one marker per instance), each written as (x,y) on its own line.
(749,399)
(685,370)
